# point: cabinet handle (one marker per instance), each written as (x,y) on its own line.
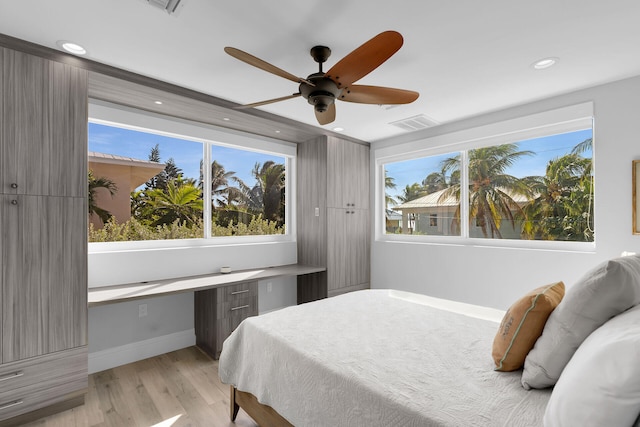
(239,308)
(11,404)
(12,376)
(240,292)
(14,202)
(14,185)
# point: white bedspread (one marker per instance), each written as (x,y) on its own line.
(378,358)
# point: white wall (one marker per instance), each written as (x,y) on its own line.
(117,335)
(495,277)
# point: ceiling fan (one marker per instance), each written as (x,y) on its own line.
(322,89)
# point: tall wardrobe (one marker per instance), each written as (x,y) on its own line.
(43,226)
(333,217)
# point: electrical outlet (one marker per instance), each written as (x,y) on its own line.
(142,310)
(269,286)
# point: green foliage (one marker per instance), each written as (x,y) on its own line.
(134,230)
(171,206)
(94,184)
(560,205)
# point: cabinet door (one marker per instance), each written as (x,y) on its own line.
(337,249)
(347,174)
(358,247)
(44,127)
(44,275)
(348,248)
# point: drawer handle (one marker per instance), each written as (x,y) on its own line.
(240,292)
(239,308)
(11,404)
(12,376)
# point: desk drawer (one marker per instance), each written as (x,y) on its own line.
(240,307)
(233,293)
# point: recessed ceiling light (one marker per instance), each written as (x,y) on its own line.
(226,119)
(277,131)
(158,102)
(544,63)
(338,129)
(71,47)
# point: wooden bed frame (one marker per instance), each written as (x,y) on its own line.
(264,415)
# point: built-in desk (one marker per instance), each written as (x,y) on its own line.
(221,301)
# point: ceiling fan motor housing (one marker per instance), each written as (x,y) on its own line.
(323,94)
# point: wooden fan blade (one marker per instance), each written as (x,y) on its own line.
(269,101)
(365,59)
(328,116)
(377,95)
(263,65)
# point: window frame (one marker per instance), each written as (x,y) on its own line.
(105,113)
(563,120)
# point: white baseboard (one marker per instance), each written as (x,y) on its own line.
(117,356)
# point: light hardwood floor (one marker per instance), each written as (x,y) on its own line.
(176,389)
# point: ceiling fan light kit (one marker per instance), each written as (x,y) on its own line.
(322,89)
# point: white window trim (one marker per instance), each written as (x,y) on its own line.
(562,120)
(129,118)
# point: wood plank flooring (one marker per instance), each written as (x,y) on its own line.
(177,389)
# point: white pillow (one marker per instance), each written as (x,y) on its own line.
(600,386)
(602,293)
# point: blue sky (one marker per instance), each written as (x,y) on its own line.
(546,148)
(186,154)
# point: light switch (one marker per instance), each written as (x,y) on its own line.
(317,211)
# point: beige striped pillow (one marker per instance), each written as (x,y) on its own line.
(522,324)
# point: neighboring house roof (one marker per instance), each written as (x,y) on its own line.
(432,200)
(139,171)
(435,200)
(393,216)
(122,160)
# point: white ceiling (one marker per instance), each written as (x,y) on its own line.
(464,57)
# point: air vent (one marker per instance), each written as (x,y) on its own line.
(170,6)
(421,121)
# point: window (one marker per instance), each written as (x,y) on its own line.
(148,184)
(539,186)
(421,191)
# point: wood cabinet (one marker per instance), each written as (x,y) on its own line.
(219,311)
(44,127)
(333,216)
(43,226)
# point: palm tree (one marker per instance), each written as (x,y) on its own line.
(412,192)
(94,184)
(562,208)
(268,193)
(490,188)
(435,181)
(389,183)
(586,145)
(180,201)
(222,194)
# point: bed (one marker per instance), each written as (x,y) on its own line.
(375,358)
(391,358)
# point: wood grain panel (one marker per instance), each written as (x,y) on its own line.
(66,141)
(44,371)
(119,91)
(44,126)
(205,318)
(44,283)
(338,257)
(312,194)
(24,92)
(358,247)
(218,312)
